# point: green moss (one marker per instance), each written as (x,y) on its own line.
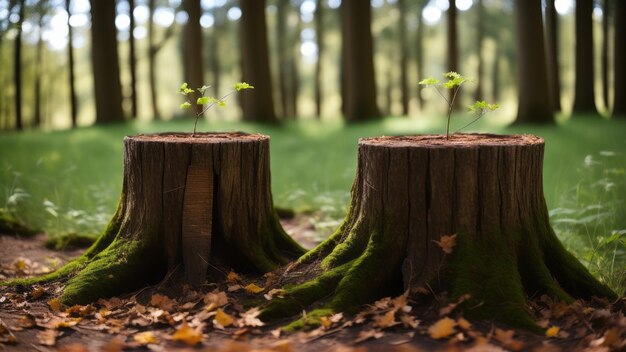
(9,224)
(309,321)
(69,239)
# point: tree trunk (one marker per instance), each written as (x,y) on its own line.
(495,77)
(132,61)
(359,90)
(480,34)
(606,8)
(619,70)
(71,67)
(552,47)
(404,58)
(204,202)
(38,120)
(584,92)
(453,51)
(319,36)
(214,51)
(535,104)
(411,191)
(106,71)
(152,51)
(419,55)
(194,68)
(17,68)
(255,63)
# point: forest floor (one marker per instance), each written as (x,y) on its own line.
(214,319)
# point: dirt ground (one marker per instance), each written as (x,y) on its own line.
(29,320)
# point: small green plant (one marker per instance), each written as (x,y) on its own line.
(206,102)
(455,82)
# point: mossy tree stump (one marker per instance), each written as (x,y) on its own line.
(411,191)
(190,200)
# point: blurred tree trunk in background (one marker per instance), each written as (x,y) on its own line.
(606,12)
(192,44)
(152,51)
(71,67)
(419,50)
(359,90)
(214,50)
(453,47)
(41,11)
(404,58)
(619,62)
(17,67)
(319,36)
(552,47)
(259,104)
(584,92)
(285,45)
(535,105)
(495,77)
(480,34)
(132,61)
(295,73)
(106,71)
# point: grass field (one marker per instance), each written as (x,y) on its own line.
(70,181)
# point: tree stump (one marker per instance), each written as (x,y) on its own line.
(411,191)
(190,200)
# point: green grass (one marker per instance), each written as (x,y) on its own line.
(70,181)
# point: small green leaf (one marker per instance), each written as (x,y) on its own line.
(429,81)
(185,105)
(203,89)
(242,85)
(202,101)
(184,89)
(221,103)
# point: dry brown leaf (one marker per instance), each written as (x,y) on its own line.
(55,305)
(270,279)
(276,333)
(47,337)
(38,292)
(223,319)
(28,321)
(115,345)
(282,346)
(145,338)
(464,324)
(162,302)
(442,328)
(233,277)
(447,243)
(215,299)
(552,331)
(484,347)
(452,306)
(253,288)
(73,347)
(111,303)
(368,334)
(187,335)
(249,318)
(6,336)
(233,288)
(409,321)
(278,292)
(386,320)
(505,337)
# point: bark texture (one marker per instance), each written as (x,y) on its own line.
(196,201)
(619,81)
(552,46)
(411,191)
(584,92)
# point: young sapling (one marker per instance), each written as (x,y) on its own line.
(455,82)
(206,102)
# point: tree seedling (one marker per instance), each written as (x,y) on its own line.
(455,82)
(206,102)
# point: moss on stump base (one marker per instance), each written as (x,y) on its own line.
(185,200)
(411,191)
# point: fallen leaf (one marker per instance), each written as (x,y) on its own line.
(446,242)
(282,346)
(55,305)
(276,333)
(232,288)
(386,320)
(278,292)
(6,336)
(28,321)
(270,279)
(442,328)
(233,277)
(223,319)
(114,345)
(505,337)
(452,306)
(249,318)
(409,321)
(37,292)
(187,335)
(73,347)
(48,337)
(368,334)
(253,288)
(145,338)
(464,324)
(162,302)
(215,299)
(552,331)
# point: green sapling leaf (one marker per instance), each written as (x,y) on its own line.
(242,85)
(202,101)
(429,81)
(185,105)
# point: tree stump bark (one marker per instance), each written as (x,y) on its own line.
(411,191)
(194,201)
